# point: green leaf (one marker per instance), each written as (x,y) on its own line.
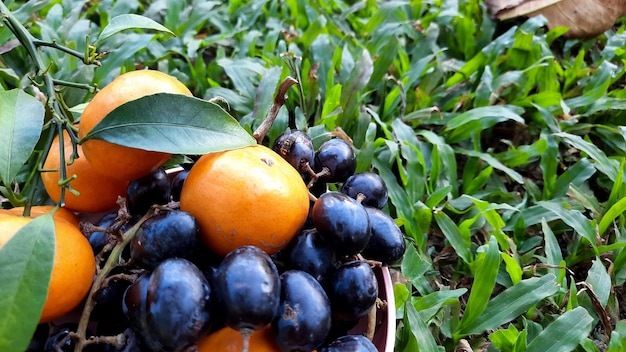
(351,92)
(486,268)
(495,163)
(614,211)
(603,163)
(172,123)
(464,125)
(513,302)
(573,218)
(600,281)
(552,249)
(21,122)
(420,330)
(565,333)
(130,21)
(458,241)
(575,174)
(25,266)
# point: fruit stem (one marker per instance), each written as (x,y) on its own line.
(279,101)
(111,262)
(371,323)
(245,334)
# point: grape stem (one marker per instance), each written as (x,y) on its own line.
(245,334)
(80,335)
(279,101)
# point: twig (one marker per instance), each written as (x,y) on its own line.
(80,338)
(279,101)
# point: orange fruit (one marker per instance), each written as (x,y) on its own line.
(98,192)
(38,210)
(73,270)
(230,340)
(245,196)
(112,159)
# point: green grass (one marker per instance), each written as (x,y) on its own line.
(502,144)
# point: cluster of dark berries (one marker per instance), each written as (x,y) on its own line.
(171,290)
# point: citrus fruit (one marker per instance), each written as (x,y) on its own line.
(98,192)
(245,196)
(73,269)
(38,210)
(113,159)
(230,340)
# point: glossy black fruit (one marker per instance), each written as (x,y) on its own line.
(353,290)
(311,253)
(247,287)
(108,310)
(342,221)
(169,309)
(295,147)
(176,184)
(386,243)
(370,185)
(303,319)
(147,191)
(168,234)
(350,343)
(337,157)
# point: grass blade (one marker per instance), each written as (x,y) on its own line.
(513,302)
(565,333)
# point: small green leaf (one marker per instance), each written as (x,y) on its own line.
(172,123)
(25,266)
(21,122)
(565,333)
(464,125)
(614,211)
(600,281)
(604,164)
(486,268)
(420,330)
(513,302)
(573,218)
(458,241)
(130,21)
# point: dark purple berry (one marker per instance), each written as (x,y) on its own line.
(303,318)
(386,243)
(342,221)
(337,158)
(370,186)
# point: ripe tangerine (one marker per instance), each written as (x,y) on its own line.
(38,210)
(112,159)
(245,196)
(98,192)
(230,340)
(73,269)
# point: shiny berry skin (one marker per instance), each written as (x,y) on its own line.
(351,343)
(337,156)
(247,288)
(295,147)
(311,253)
(176,184)
(147,191)
(342,221)
(386,243)
(169,309)
(352,290)
(167,234)
(303,318)
(370,185)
